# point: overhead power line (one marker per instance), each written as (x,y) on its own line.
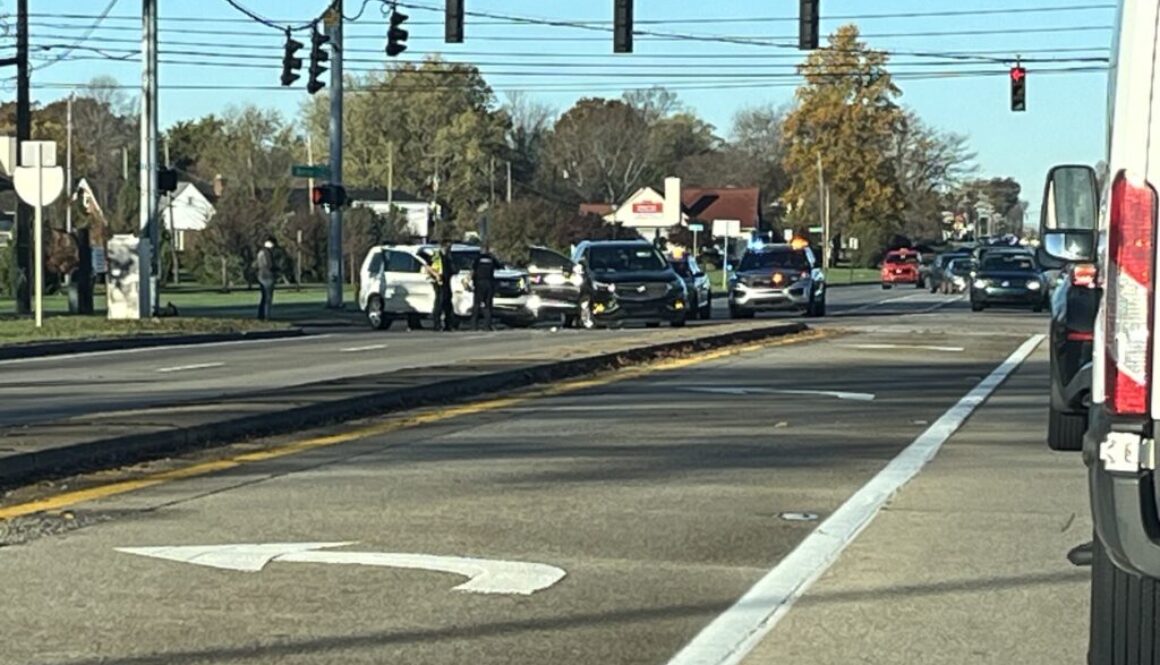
(88,33)
(267,22)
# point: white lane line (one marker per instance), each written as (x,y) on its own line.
(186,368)
(733,634)
(369,347)
(858,397)
(163,348)
(900,298)
(878,347)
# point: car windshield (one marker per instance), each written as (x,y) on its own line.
(626,258)
(1008,263)
(902,258)
(768,260)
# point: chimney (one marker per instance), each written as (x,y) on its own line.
(219,185)
(672,211)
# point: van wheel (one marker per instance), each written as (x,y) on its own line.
(1123,613)
(885,287)
(378,318)
(1065,430)
(414,322)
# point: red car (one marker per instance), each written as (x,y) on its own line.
(901,267)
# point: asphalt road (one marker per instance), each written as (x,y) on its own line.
(38,390)
(663,497)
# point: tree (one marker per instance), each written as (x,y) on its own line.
(252,148)
(439,122)
(600,148)
(188,140)
(929,164)
(846,116)
(530,125)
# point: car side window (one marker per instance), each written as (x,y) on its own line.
(376,266)
(402,262)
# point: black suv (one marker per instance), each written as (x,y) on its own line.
(630,280)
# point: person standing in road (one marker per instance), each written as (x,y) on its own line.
(444,314)
(483,285)
(266,278)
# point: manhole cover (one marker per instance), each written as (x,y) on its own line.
(799,517)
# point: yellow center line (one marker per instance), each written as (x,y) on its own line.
(68,499)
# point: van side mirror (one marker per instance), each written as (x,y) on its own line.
(1069,216)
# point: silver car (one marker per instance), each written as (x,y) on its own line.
(777,278)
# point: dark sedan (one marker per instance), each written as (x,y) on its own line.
(1008,279)
(1074,304)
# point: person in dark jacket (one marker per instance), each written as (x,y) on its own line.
(266,278)
(483,285)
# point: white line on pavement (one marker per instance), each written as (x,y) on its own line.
(186,368)
(164,347)
(369,347)
(733,634)
(876,347)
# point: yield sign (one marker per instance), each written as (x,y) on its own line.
(483,575)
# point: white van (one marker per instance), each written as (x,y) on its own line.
(1117,228)
(394,283)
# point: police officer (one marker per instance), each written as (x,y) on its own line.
(444,304)
(483,284)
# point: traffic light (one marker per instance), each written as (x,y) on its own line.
(808,20)
(1018,88)
(166,180)
(453,32)
(396,35)
(333,196)
(318,55)
(622,26)
(290,62)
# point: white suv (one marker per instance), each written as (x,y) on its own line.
(395,284)
(1117,231)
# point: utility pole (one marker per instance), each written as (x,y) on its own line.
(491,176)
(390,176)
(334,291)
(23,133)
(310,161)
(149,233)
(821,195)
(826,237)
(509,182)
(68,177)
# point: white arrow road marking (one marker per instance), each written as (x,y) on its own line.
(484,575)
(186,368)
(838,394)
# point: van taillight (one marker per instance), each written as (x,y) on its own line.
(1130,283)
(1084,275)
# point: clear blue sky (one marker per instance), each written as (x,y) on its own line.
(1064,122)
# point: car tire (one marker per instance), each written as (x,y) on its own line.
(886,287)
(1065,430)
(679,323)
(376,315)
(706,312)
(1037,308)
(977,306)
(921,283)
(735,313)
(1124,620)
(414,322)
(652,324)
(820,308)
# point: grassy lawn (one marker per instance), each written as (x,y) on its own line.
(201,309)
(57,328)
(833,276)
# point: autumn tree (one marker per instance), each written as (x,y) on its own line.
(600,149)
(846,116)
(929,165)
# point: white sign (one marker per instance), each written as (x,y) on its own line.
(483,575)
(696,228)
(38,181)
(727,228)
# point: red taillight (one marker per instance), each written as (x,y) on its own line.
(1130,283)
(1078,336)
(1084,275)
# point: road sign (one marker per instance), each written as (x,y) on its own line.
(484,575)
(310,171)
(696,228)
(38,182)
(815,229)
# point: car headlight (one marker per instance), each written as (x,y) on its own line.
(1034,284)
(522,284)
(576,279)
(606,286)
(980,283)
(555,279)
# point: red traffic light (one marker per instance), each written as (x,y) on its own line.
(1018,74)
(318,195)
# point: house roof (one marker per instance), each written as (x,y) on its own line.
(601,209)
(709,203)
(205,189)
(300,196)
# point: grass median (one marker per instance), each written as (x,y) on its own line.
(75,328)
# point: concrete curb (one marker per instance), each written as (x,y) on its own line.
(65,347)
(108,453)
